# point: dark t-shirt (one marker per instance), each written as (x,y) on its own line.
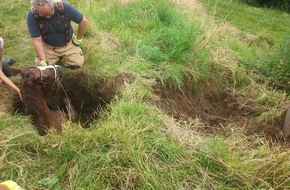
(55,26)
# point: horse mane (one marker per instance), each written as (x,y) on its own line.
(32,95)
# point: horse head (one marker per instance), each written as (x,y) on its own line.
(43,75)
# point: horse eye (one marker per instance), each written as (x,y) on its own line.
(37,79)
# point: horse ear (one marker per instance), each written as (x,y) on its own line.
(28,75)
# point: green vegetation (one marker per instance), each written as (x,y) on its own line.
(134,144)
(151,35)
(263,43)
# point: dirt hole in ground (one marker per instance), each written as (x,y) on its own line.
(216,109)
(88,97)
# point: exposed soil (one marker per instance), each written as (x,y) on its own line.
(218,108)
(88,100)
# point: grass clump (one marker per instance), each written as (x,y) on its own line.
(279,63)
(149,32)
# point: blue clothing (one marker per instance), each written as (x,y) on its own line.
(5,68)
(55,26)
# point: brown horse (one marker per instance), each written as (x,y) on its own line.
(35,84)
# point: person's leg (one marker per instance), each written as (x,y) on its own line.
(72,56)
(50,54)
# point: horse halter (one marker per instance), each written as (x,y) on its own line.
(41,69)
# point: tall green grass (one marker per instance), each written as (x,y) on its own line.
(271,23)
(14,31)
(279,62)
(152,30)
(148,34)
(268,48)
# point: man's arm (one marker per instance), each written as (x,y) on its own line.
(37,44)
(82,28)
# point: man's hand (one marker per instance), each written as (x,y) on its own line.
(43,63)
(19,94)
(75,41)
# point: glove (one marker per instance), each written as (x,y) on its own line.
(43,63)
(75,41)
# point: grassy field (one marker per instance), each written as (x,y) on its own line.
(263,41)
(135,144)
